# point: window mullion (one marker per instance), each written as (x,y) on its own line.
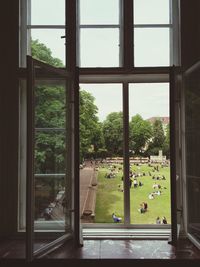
(126,155)
(128,33)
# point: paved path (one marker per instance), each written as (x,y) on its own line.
(86,176)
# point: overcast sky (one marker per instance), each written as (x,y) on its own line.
(148,100)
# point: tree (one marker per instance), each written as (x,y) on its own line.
(140,132)
(49,113)
(166,146)
(113,133)
(91,136)
(158,140)
(43,53)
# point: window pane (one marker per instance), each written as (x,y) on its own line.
(99,12)
(151,47)
(54,11)
(151,11)
(101,153)
(192,138)
(99,48)
(55,46)
(149,153)
(50,152)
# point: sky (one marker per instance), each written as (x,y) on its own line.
(100,48)
(148,100)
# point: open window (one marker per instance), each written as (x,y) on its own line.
(51,185)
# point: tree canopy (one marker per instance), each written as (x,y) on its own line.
(140,132)
(43,53)
(158,139)
(113,133)
(91,137)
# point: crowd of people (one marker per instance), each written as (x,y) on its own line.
(135,181)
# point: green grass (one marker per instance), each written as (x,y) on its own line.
(110,200)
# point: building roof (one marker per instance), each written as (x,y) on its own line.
(164,120)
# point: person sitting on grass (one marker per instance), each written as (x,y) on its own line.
(135,183)
(158,220)
(116,219)
(143,207)
(159,192)
(121,188)
(151,196)
(164,220)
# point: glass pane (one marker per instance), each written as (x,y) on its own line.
(149,153)
(151,11)
(192,138)
(50,181)
(47,46)
(54,11)
(151,47)
(99,48)
(99,12)
(101,153)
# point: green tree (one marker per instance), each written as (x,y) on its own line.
(166,146)
(140,132)
(158,139)
(43,53)
(91,136)
(113,133)
(49,113)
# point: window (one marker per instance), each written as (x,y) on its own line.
(152,25)
(108,33)
(100,33)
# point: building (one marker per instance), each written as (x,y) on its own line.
(185,144)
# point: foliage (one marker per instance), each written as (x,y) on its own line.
(140,132)
(158,139)
(91,136)
(166,145)
(113,133)
(41,52)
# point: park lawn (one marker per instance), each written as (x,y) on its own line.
(110,200)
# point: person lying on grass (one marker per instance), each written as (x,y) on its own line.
(116,219)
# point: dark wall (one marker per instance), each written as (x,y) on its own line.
(8,115)
(9,92)
(190,32)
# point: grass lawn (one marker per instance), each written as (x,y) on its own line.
(110,200)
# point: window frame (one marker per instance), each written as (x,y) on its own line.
(126,72)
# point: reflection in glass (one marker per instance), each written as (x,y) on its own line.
(99,48)
(48,46)
(149,148)
(50,155)
(192,139)
(99,12)
(54,11)
(151,47)
(101,153)
(151,11)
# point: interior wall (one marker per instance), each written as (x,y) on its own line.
(9,116)
(190,32)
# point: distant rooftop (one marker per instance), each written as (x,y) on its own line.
(165,120)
